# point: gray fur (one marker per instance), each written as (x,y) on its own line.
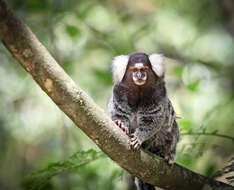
(146,114)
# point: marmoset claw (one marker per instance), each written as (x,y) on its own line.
(133,142)
(122,126)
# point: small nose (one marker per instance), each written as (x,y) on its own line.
(139,74)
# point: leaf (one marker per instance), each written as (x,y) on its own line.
(193,85)
(185,125)
(40,179)
(72,31)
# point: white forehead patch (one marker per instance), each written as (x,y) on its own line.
(119,65)
(158,64)
(139,65)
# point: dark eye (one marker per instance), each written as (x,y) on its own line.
(145,68)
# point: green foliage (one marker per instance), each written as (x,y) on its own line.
(73,31)
(193,86)
(104,77)
(40,179)
(185,125)
(178,71)
(84,36)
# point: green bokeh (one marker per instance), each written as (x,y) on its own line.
(84,36)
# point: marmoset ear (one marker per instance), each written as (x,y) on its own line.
(119,65)
(158,64)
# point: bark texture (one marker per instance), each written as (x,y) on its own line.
(75,103)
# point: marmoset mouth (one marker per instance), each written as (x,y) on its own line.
(139,79)
(139,82)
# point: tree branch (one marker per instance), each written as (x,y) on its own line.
(74,102)
(210,134)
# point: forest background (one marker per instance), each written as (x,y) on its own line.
(84,36)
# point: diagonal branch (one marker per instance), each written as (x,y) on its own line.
(74,102)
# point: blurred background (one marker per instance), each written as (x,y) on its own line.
(84,36)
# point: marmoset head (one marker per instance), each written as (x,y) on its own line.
(138,67)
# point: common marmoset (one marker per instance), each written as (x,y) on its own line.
(140,107)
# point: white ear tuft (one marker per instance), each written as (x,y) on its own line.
(119,65)
(158,64)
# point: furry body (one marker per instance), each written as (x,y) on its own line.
(143,110)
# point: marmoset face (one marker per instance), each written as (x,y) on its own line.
(138,69)
(139,73)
